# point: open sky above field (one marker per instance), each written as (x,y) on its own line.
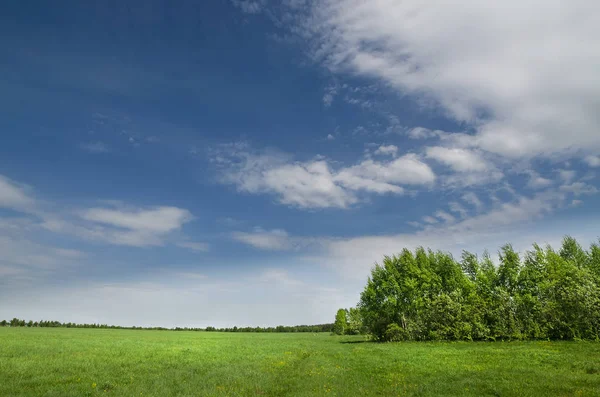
(246,162)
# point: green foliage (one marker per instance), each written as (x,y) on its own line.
(355,324)
(341,322)
(349,322)
(430,296)
(395,333)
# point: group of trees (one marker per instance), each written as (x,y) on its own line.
(428,295)
(15,322)
(348,322)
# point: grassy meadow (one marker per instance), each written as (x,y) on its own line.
(90,362)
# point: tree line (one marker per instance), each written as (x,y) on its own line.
(279,328)
(427,295)
(16,322)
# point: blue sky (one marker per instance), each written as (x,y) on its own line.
(246,162)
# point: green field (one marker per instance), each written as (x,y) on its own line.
(89,362)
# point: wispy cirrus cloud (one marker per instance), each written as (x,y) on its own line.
(516,94)
(250,6)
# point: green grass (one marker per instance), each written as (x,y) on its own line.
(85,362)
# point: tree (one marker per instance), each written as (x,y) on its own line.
(341,322)
(429,296)
(355,324)
(508,271)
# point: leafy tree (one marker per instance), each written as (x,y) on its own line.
(508,271)
(430,296)
(341,322)
(355,324)
(470,265)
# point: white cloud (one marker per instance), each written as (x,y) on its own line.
(407,169)
(271,240)
(330,137)
(14,196)
(445,216)
(389,150)
(329,95)
(472,199)
(566,175)
(519,96)
(459,180)
(98,233)
(537,182)
(138,227)
(250,6)
(194,246)
(424,133)
(314,184)
(592,161)
(29,255)
(119,224)
(351,179)
(467,167)
(157,220)
(509,213)
(24,261)
(579,188)
(430,220)
(458,209)
(279,277)
(307,185)
(460,160)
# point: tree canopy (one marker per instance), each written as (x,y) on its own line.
(427,295)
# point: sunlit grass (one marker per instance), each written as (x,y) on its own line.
(84,362)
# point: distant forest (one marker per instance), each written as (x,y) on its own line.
(15,322)
(427,295)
